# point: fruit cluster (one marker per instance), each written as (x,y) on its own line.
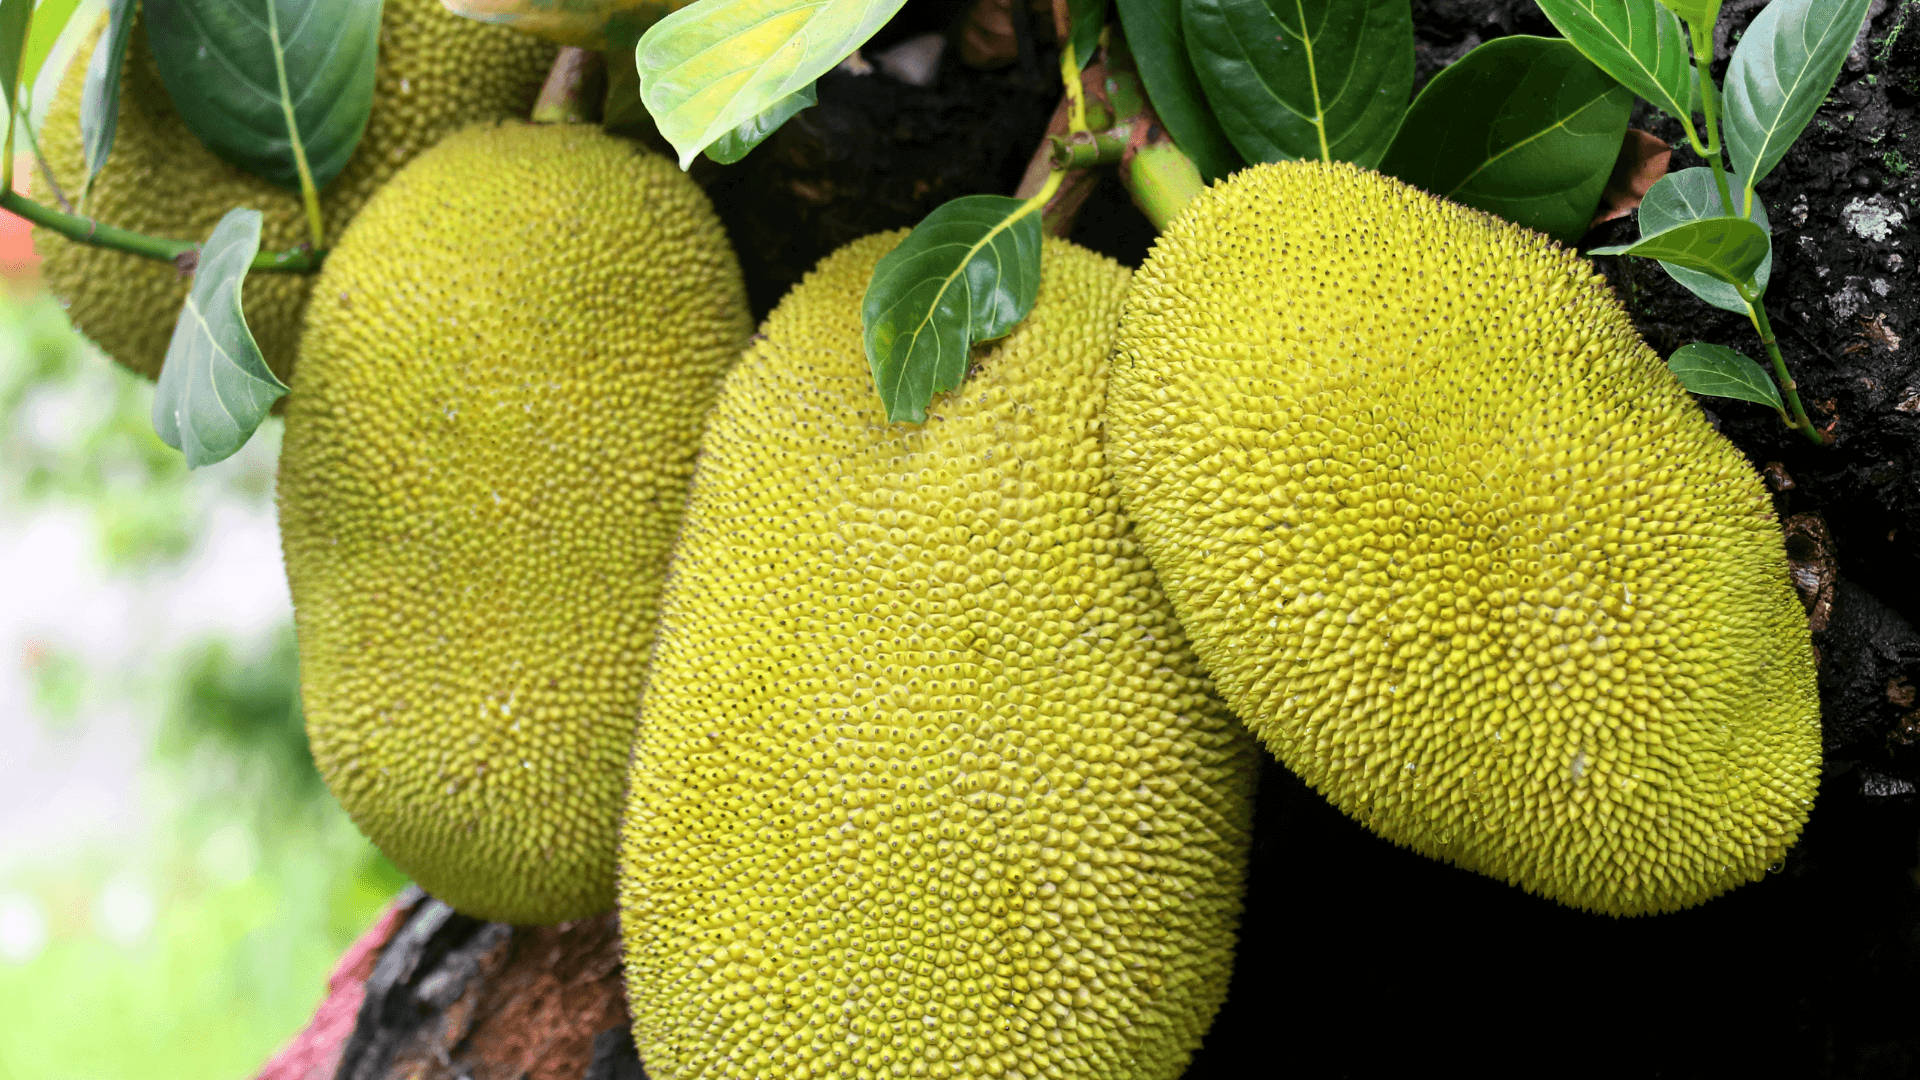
(929,749)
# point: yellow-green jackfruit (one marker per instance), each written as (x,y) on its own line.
(1458,547)
(505,369)
(437,72)
(927,781)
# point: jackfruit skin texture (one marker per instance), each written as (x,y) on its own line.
(1458,547)
(437,72)
(488,446)
(927,781)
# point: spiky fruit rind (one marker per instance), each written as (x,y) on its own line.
(436,73)
(1458,547)
(489,440)
(927,780)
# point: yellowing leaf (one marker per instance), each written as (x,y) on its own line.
(708,68)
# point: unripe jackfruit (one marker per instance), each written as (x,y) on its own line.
(927,781)
(505,369)
(437,72)
(1458,547)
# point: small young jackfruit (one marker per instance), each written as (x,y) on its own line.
(437,72)
(1458,547)
(505,369)
(927,781)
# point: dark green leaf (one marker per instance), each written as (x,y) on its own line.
(1159,47)
(1086,17)
(1325,79)
(250,77)
(734,145)
(1524,127)
(1720,372)
(214,387)
(1780,73)
(1698,12)
(100,93)
(968,273)
(1638,42)
(712,66)
(1728,248)
(1690,195)
(14,17)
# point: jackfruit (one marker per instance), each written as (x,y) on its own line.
(1458,547)
(500,391)
(927,781)
(437,72)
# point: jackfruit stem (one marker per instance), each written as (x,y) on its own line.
(1789,389)
(1163,181)
(82,230)
(574,85)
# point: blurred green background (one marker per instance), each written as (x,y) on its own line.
(175,882)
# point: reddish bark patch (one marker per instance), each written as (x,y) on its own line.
(314,1053)
(541,996)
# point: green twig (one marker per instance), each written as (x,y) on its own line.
(1702,38)
(309,194)
(178,252)
(1757,312)
(1086,149)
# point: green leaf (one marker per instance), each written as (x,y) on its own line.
(1718,371)
(1159,45)
(1690,195)
(1728,248)
(1086,18)
(1638,42)
(1523,127)
(50,19)
(708,68)
(1696,12)
(100,93)
(734,145)
(214,387)
(14,17)
(1324,79)
(1780,73)
(262,82)
(968,273)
